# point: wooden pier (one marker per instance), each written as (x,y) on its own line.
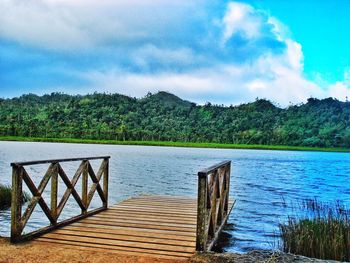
(170,227)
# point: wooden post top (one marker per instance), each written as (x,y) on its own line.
(213,168)
(59,160)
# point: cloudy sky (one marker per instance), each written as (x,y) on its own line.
(219,51)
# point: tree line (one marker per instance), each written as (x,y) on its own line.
(165,117)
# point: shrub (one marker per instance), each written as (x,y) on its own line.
(5,196)
(323,231)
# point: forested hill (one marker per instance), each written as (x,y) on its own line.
(165,117)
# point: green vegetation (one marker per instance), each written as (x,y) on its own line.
(5,196)
(169,120)
(176,144)
(324,232)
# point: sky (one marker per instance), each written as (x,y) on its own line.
(225,52)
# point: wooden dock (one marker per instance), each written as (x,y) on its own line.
(170,227)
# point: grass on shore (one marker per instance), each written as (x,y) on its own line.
(5,196)
(323,232)
(175,144)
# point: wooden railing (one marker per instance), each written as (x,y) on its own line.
(20,175)
(213,204)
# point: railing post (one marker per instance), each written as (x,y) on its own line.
(213,204)
(84,185)
(55,170)
(16,203)
(54,190)
(105,182)
(201,237)
(228,179)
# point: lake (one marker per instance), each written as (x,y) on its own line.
(264,183)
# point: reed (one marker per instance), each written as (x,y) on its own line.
(5,196)
(322,231)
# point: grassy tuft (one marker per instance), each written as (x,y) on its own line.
(5,196)
(323,231)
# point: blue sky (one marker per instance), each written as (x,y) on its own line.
(220,51)
(323,29)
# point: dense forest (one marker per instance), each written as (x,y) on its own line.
(165,117)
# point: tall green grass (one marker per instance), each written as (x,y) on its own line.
(323,231)
(176,144)
(5,196)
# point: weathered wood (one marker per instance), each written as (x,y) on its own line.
(122,237)
(177,236)
(63,223)
(151,225)
(18,222)
(220,228)
(201,213)
(134,230)
(158,208)
(105,183)
(70,185)
(16,203)
(160,203)
(123,243)
(57,161)
(215,167)
(154,212)
(146,229)
(70,188)
(140,221)
(213,207)
(168,198)
(139,225)
(228,182)
(131,232)
(96,183)
(54,191)
(84,186)
(149,218)
(37,193)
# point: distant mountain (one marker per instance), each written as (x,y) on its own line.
(164,117)
(168,99)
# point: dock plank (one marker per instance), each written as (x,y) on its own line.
(125,236)
(153,226)
(148,217)
(161,227)
(131,232)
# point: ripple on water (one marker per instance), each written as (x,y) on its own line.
(263,183)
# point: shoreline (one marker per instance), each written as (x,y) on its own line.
(46,252)
(176,144)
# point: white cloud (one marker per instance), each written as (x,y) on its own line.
(178,46)
(278,77)
(40,24)
(275,77)
(268,78)
(146,56)
(347,77)
(240,18)
(339,90)
(72,25)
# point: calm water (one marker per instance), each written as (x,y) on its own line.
(262,182)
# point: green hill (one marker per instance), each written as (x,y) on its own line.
(166,117)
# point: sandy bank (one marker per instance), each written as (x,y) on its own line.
(47,253)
